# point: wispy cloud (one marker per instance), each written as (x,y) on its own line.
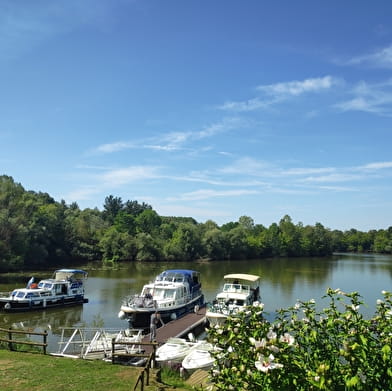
(127,175)
(376,166)
(381,58)
(208,193)
(372,98)
(295,88)
(278,92)
(172,141)
(113,147)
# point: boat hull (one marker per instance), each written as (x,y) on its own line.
(9,305)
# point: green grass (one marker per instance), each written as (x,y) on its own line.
(37,372)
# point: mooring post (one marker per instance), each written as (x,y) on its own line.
(45,340)
(10,339)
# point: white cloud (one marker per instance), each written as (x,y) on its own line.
(248,105)
(278,92)
(376,166)
(294,88)
(378,59)
(126,175)
(173,141)
(113,147)
(338,177)
(372,98)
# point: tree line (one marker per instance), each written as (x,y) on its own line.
(37,231)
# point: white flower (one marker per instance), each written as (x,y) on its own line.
(271,334)
(286,337)
(379,302)
(265,364)
(355,307)
(258,344)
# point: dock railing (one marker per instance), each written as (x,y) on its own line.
(11,341)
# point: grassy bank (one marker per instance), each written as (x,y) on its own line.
(36,372)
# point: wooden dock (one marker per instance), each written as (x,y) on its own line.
(181,327)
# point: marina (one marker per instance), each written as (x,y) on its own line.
(281,287)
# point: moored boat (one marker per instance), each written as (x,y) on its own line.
(65,288)
(199,358)
(239,291)
(175,349)
(173,293)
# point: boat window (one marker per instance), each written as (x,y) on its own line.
(46,285)
(20,295)
(32,294)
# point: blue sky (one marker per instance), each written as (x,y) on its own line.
(210,109)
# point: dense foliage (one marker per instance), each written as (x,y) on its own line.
(37,231)
(303,349)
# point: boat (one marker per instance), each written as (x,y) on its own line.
(65,288)
(239,291)
(199,358)
(175,349)
(173,293)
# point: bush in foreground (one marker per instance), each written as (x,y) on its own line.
(305,349)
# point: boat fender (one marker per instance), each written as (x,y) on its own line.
(121,315)
(173,316)
(7,306)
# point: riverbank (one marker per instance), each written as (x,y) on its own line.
(32,371)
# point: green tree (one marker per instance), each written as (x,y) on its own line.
(112,206)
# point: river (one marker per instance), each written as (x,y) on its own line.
(283,281)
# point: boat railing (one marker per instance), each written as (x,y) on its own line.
(224,308)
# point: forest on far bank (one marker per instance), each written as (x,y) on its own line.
(38,232)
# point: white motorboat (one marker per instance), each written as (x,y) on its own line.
(175,349)
(65,288)
(199,357)
(173,293)
(239,291)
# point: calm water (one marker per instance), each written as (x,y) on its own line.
(283,281)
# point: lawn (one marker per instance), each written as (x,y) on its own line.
(37,372)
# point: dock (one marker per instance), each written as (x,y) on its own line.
(193,322)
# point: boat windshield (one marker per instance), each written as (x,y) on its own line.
(160,293)
(18,294)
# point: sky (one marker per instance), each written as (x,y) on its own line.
(207,109)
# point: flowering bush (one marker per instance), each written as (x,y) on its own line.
(303,349)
